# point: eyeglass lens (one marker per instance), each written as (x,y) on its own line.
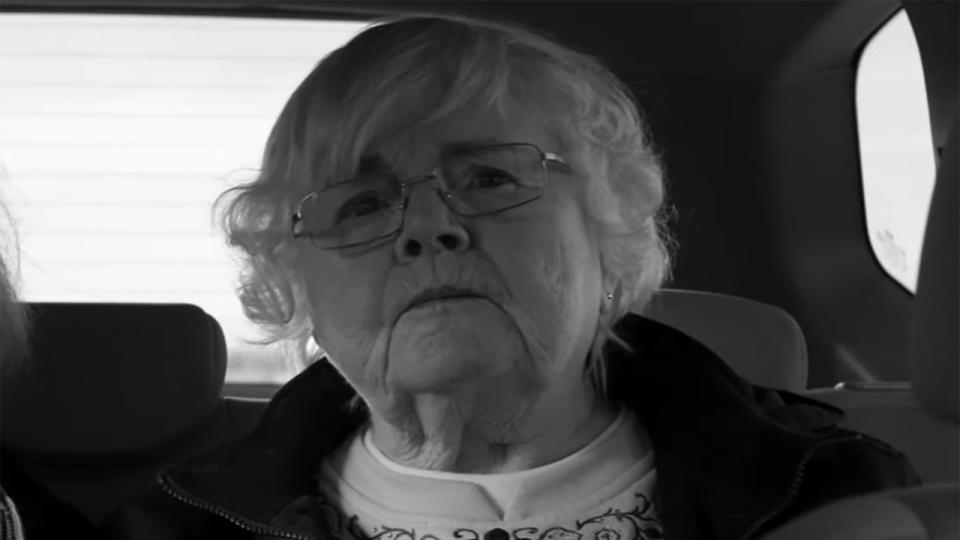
(479,181)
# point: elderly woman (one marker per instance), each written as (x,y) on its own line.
(461,216)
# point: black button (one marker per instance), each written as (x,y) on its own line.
(496,534)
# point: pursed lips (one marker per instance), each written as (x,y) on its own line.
(441,293)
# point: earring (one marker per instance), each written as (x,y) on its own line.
(605,304)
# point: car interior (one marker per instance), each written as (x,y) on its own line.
(754,105)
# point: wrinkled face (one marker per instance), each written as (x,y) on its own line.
(532,272)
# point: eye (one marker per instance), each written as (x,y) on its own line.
(362,205)
(489,178)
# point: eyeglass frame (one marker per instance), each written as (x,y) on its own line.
(445,196)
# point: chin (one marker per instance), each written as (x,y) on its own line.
(447,349)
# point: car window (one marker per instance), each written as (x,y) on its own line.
(116,135)
(896,148)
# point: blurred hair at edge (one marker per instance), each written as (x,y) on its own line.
(14,327)
(339,110)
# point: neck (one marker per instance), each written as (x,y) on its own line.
(479,431)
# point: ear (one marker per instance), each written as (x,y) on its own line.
(608,295)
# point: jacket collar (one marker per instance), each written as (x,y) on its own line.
(726,451)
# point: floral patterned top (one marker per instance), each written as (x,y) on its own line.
(604,491)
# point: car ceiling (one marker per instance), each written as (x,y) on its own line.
(674,40)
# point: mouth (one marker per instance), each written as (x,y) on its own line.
(441,293)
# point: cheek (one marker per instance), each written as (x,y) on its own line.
(548,270)
(556,272)
(549,263)
(345,302)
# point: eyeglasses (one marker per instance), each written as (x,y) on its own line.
(474,182)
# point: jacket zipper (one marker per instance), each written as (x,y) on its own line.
(8,524)
(251,526)
(798,478)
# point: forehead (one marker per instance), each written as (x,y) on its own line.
(472,126)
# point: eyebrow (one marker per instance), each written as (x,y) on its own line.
(459,147)
(372,163)
(376,162)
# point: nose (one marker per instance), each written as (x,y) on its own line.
(429,225)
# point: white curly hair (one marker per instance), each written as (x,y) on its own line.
(403,73)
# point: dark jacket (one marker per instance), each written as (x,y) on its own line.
(733,460)
(42,515)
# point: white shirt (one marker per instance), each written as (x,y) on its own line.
(603,491)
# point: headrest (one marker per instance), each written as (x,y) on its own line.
(112,379)
(936,323)
(761,343)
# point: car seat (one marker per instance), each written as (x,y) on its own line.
(114,392)
(761,343)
